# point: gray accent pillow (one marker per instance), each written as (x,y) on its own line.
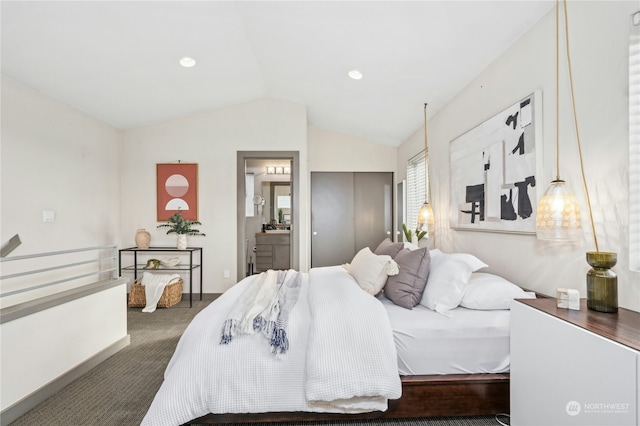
(406,288)
(389,248)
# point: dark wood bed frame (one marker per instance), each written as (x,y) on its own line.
(422,396)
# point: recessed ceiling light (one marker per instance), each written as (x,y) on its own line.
(187,62)
(355,74)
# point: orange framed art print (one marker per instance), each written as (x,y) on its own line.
(177,190)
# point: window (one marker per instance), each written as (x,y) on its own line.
(634,144)
(416,188)
(284,202)
(249,183)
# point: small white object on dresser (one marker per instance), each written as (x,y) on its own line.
(573,367)
(568,298)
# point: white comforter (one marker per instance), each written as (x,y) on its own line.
(342,358)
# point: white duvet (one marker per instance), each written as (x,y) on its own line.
(341,358)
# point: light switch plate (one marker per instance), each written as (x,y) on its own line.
(48,216)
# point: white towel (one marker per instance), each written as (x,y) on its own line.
(154,285)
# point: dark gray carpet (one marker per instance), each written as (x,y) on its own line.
(120,390)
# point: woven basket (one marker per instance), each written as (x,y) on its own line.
(171,295)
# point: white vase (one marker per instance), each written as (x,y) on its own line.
(143,239)
(182,242)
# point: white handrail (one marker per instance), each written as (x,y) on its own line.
(102,269)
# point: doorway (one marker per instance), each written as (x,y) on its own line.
(267,211)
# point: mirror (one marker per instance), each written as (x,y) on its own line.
(277,208)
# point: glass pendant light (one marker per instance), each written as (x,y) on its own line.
(426,218)
(558,216)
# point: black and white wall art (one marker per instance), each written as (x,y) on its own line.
(493,171)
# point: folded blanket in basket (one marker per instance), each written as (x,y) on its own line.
(154,285)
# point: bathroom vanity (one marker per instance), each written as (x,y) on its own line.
(273,250)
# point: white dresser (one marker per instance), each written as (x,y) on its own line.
(573,367)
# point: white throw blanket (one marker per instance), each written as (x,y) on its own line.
(341,357)
(265,307)
(154,285)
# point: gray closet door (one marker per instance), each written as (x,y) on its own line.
(373,206)
(332,232)
(349,211)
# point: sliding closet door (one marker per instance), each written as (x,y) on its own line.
(373,205)
(332,233)
(349,211)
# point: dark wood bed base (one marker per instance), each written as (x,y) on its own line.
(422,396)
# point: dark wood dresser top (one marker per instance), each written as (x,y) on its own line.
(622,327)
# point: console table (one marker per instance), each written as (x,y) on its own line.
(184,268)
(573,367)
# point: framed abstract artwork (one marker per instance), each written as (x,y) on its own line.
(177,189)
(493,171)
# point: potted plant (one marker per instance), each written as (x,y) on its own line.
(182,227)
(408,234)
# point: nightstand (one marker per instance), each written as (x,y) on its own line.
(573,367)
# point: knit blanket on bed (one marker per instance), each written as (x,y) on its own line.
(264,307)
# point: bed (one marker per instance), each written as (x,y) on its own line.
(349,353)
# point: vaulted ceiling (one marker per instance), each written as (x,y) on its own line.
(118,60)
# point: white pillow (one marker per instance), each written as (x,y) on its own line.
(371,270)
(448,277)
(487,292)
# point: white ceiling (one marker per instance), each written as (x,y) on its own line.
(118,60)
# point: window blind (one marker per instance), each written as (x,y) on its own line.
(416,188)
(634,145)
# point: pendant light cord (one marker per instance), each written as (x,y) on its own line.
(426,173)
(557,91)
(426,157)
(575,120)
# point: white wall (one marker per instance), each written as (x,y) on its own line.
(212,140)
(599,45)
(334,152)
(56,158)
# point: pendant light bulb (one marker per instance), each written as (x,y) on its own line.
(558,217)
(426,219)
